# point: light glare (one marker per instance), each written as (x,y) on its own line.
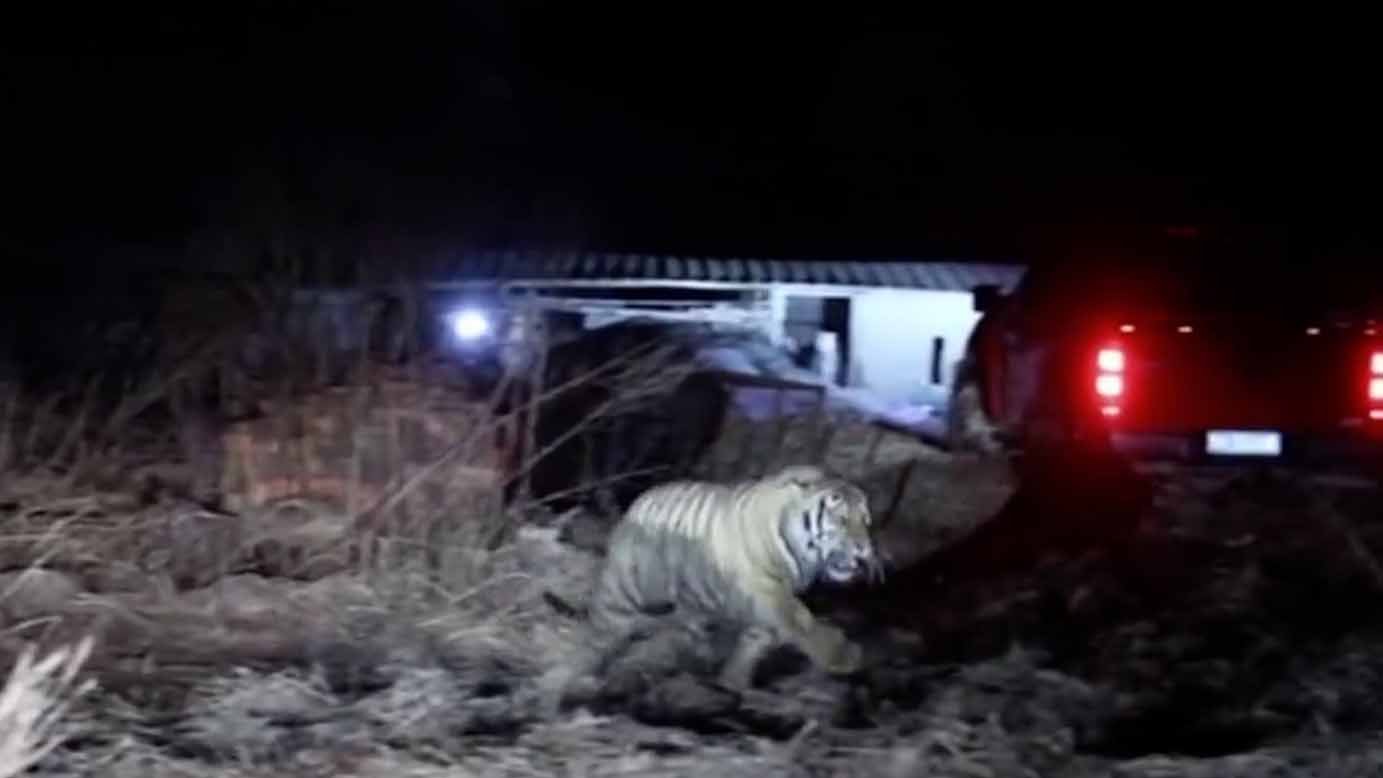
(469,324)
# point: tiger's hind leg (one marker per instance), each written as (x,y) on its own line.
(607,640)
(580,679)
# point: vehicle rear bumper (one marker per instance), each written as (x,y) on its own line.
(1358,451)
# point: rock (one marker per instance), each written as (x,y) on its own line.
(776,722)
(195,548)
(684,701)
(34,593)
(938,499)
(291,538)
(585,531)
(246,601)
(562,568)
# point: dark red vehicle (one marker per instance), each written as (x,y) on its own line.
(1191,351)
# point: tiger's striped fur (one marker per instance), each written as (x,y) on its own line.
(738,555)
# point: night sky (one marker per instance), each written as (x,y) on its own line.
(679,128)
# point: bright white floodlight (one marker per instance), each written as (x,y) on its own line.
(469,324)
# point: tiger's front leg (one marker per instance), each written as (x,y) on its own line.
(750,647)
(826,645)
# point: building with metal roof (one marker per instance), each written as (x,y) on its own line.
(897,327)
(520,268)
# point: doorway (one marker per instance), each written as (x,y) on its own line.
(808,318)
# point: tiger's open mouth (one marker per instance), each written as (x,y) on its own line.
(845,567)
(842,567)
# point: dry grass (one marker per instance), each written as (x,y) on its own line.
(33,703)
(422,670)
(431,659)
(420,648)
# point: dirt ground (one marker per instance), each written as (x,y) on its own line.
(1218,626)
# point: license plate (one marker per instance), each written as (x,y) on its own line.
(1243,443)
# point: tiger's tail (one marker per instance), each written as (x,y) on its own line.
(567,609)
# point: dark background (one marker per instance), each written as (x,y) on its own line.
(678,128)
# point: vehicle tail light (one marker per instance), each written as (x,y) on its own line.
(1109,380)
(1375,391)
(1109,385)
(1111,360)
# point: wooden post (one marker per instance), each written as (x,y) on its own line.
(781,431)
(874,444)
(821,419)
(900,490)
(744,464)
(538,342)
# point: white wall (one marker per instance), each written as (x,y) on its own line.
(891,332)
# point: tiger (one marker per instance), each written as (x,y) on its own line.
(739,555)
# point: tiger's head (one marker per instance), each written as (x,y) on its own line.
(827,529)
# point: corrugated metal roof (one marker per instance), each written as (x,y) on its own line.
(595,267)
